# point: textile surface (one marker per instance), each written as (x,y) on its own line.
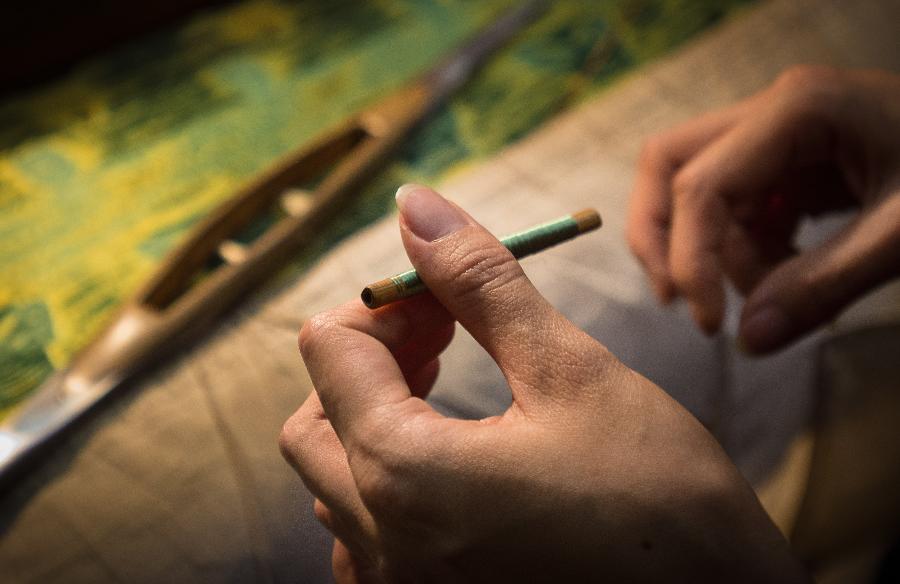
(104,171)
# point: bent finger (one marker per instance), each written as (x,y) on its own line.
(650,207)
(349,352)
(726,185)
(810,289)
(310,445)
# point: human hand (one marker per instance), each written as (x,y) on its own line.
(721,197)
(593,473)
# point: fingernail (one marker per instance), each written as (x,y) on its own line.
(764,328)
(427,214)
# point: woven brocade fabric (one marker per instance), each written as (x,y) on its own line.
(103,171)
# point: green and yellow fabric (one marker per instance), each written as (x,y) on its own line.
(103,171)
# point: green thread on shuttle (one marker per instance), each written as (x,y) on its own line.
(525,243)
(408,283)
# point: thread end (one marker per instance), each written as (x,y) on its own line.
(380,293)
(587,220)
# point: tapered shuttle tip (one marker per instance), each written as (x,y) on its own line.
(380,293)
(587,220)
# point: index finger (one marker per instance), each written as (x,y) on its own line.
(650,207)
(728,181)
(349,352)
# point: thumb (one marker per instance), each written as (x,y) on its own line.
(484,288)
(812,288)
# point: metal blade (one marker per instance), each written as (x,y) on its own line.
(57,402)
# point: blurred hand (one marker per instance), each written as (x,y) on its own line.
(721,196)
(593,473)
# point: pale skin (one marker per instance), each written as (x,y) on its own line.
(594,473)
(720,197)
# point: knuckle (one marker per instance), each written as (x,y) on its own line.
(689,185)
(297,433)
(285,444)
(805,77)
(290,437)
(808,89)
(385,482)
(311,332)
(390,464)
(320,328)
(654,152)
(477,272)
